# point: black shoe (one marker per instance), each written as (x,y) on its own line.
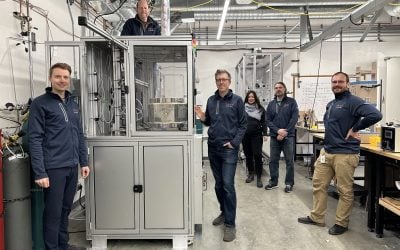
(250,178)
(337,230)
(271,186)
(308,220)
(259,182)
(219,220)
(229,234)
(288,188)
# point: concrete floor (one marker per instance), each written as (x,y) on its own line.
(266,219)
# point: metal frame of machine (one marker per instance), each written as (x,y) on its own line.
(137,113)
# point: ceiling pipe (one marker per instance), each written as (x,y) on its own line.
(255,7)
(165,18)
(258,16)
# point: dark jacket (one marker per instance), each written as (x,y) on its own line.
(344,112)
(256,127)
(227,120)
(55,134)
(134,27)
(282,116)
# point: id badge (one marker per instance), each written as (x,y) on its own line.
(322,159)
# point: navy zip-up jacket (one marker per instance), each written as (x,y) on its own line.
(133,27)
(282,116)
(226,117)
(55,134)
(344,112)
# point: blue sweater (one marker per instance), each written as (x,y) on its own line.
(344,112)
(55,134)
(282,116)
(133,27)
(226,117)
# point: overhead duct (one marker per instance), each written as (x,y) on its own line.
(334,29)
(113,18)
(393,10)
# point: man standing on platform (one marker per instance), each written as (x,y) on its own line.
(142,24)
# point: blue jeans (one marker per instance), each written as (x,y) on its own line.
(223,165)
(276,147)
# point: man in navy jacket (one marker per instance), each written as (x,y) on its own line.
(226,116)
(282,116)
(142,24)
(57,147)
(344,117)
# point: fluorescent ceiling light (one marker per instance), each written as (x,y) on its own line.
(222,21)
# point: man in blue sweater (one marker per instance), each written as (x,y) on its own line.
(282,116)
(142,24)
(57,147)
(344,117)
(226,116)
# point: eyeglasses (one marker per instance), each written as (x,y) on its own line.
(340,81)
(222,79)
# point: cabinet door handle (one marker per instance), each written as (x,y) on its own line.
(138,188)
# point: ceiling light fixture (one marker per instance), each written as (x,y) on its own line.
(222,21)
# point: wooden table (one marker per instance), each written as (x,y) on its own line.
(376,161)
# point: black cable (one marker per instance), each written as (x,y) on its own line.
(362,21)
(316,86)
(11,120)
(312,109)
(112,12)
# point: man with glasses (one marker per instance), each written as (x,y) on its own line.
(344,117)
(225,115)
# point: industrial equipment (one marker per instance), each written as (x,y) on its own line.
(259,71)
(138,120)
(391,138)
(17,199)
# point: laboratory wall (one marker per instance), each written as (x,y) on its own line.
(23,74)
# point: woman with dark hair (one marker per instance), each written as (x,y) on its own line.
(253,139)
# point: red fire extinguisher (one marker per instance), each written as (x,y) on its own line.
(1,197)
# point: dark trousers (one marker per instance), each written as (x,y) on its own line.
(223,165)
(287,146)
(252,147)
(58,200)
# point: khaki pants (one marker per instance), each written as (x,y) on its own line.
(340,166)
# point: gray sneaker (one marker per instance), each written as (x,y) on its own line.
(219,220)
(229,234)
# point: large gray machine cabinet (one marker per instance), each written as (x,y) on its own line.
(139,189)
